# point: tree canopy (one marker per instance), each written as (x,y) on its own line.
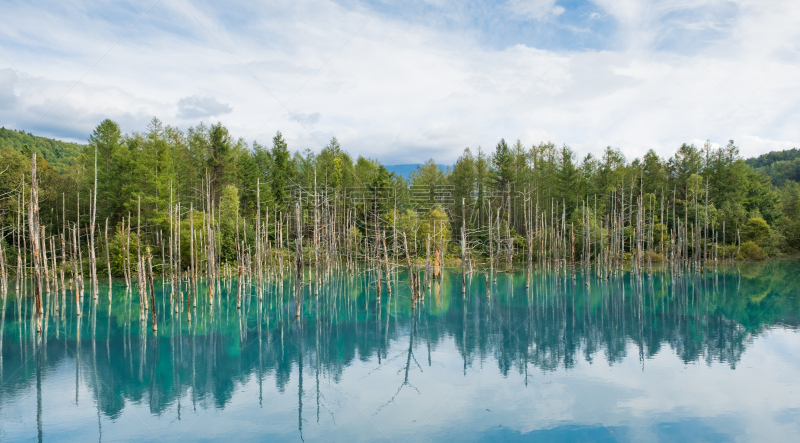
(165,165)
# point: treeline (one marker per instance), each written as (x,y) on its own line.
(778,165)
(709,194)
(59,154)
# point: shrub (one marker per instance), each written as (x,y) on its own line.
(751,251)
(726,251)
(757,230)
(655,256)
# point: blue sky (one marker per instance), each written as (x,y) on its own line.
(406,81)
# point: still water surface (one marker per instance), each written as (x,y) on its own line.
(710,356)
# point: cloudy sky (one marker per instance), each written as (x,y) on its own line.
(406,81)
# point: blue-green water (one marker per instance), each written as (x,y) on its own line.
(713,356)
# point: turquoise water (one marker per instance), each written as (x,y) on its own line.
(711,356)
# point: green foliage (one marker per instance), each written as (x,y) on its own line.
(780,166)
(354,238)
(334,166)
(281,170)
(568,179)
(481,181)
(15,173)
(502,171)
(407,222)
(463,180)
(427,175)
(185,233)
(364,171)
(165,164)
(248,179)
(611,174)
(654,173)
(116,245)
(790,200)
(751,251)
(579,220)
(686,162)
(113,169)
(219,156)
(61,155)
(789,223)
(229,217)
(436,224)
(774,156)
(756,230)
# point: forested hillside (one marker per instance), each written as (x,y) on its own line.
(778,165)
(710,194)
(59,154)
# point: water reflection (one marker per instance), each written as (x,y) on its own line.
(117,364)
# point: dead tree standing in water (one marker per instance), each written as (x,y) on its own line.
(108,262)
(33,223)
(152,289)
(299,258)
(92,254)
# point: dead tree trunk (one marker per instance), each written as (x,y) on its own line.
(43,242)
(152,289)
(108,262)
(410,270)
(92,252)
(299,258)
(33,224)
(463,247)
(378,265)
(386,263)
(3,276)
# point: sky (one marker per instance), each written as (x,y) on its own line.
(402,82)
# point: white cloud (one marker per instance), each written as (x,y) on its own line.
(403,91)
(8,80)
(201,106)
(536,9)
(309,119)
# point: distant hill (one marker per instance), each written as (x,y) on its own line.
(59,154)
(406,170)
(778,165)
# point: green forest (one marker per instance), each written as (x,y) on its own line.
(491,200)
(780,166)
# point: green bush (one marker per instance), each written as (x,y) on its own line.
(751,251)
(656,257)
(757,230)
(727,251)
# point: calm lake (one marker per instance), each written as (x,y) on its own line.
(709,356)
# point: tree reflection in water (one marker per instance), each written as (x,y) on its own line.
(710,316)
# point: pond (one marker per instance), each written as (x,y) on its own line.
(712,355)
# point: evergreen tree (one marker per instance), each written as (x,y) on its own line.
(502,167)
(463,180)
(686,162)
(568,179)
(248,176)
(111,168)
(654,174)
(481,182)
(281,172)
(219,158)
